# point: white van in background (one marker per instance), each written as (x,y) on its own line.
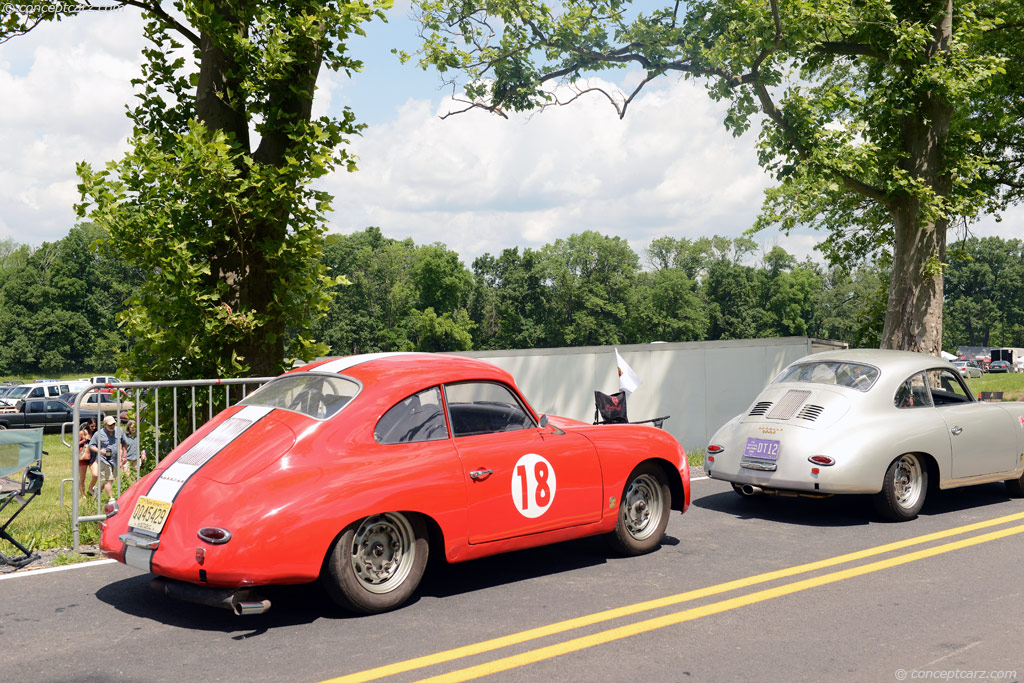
(35,390)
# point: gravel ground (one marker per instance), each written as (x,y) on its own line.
(56,556)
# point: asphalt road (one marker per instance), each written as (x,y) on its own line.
(730,596)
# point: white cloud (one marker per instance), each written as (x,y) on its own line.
(481,183)
(475,182)
(65,86)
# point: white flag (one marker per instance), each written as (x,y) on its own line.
(629,381)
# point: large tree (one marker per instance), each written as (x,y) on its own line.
(881,120)
(214,199)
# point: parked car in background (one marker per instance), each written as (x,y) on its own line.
(1001,366)
(97,379)
(967,368)
(352,470)
(47,413)
(888,423)
(35,390)
(105,403)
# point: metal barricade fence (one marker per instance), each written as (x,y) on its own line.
(146,413)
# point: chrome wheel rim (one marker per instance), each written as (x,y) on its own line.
(642,507)
(907,484)
(383,551)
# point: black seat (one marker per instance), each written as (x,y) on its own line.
(611,409)
(21,480)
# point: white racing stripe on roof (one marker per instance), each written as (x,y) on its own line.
(342,364)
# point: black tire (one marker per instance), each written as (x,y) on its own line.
(1015,487)
(376,563)
(643,511)
(903,489)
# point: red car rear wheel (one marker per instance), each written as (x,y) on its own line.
(376,563)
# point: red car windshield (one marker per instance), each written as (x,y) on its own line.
(319,396)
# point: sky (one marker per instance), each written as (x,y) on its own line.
(475,182)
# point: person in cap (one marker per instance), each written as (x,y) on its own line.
(111,448)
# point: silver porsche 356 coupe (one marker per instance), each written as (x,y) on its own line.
(887,423)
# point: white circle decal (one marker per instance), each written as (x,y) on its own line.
(533,485)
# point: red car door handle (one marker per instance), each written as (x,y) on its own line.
(477,475)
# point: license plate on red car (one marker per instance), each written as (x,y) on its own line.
(150,514)
(763,449)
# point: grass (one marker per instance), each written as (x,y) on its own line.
(1012,385)
(696,457)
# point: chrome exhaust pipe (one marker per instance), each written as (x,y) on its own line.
(240,601)
(750,490)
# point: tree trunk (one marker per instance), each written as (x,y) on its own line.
(246,258)
(913,319)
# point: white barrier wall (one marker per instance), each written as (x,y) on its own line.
(701,385)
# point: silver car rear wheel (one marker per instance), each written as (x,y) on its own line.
(903,489)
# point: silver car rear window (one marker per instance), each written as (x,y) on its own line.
(851,375)
(319,396)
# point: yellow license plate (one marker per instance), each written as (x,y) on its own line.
(150,514)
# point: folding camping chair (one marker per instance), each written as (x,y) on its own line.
(21,480)
(611,409)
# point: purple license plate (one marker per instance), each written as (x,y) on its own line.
(764,449)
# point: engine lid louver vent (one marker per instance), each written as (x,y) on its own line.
(787,407)
(810,412)
(760,408)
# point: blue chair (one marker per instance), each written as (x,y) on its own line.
(21,480)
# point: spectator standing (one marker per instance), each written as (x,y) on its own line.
(133,455)
(85,455)
(111,448)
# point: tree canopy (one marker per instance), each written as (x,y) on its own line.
(884,122)
(214,200)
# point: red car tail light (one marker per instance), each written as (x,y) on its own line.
(715,449)
(822,460)
(214,535)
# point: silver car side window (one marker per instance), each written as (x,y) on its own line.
(947,388)
(913,393)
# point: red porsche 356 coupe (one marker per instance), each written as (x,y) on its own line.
(351,470)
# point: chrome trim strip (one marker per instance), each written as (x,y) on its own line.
(763,467)
(144,542)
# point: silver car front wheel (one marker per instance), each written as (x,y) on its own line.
(903,489)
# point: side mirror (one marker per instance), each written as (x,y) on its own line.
(543,420)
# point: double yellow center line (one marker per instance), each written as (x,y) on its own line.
(636,628)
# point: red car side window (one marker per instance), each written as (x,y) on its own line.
(419,417)
(485,408)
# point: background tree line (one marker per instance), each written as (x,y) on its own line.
(59,302)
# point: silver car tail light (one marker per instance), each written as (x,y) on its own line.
(825,460)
